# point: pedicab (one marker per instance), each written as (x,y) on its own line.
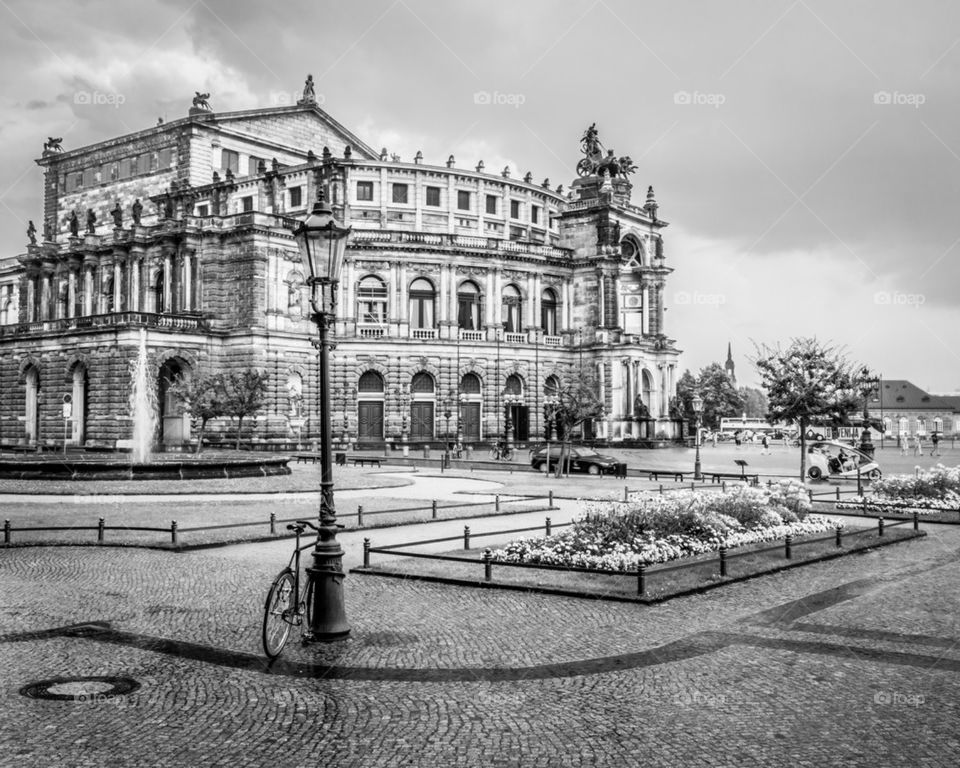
(831,459)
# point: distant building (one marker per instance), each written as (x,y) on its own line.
(729,366)
(467,296)
(907,409)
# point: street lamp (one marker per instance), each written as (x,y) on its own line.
(323,242)
(510,399)
(697,404)
(868,384)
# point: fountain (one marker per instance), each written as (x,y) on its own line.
(143,404)
(141,463)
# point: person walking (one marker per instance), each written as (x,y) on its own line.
(737,439)
(904,443)
(935,439)
(918,445)
(764,444)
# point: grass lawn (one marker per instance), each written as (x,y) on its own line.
(662,581)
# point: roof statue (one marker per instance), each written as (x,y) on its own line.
(594,160)
(200,101)
(53,144)
(309,95)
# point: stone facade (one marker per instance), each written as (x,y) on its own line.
(465,295)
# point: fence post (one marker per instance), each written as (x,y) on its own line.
(6,531)
(496,503)
(100,531)
(466,537)
(864,505)
(626,493)
(723,561)
(693,486)
(487,565)
(879,526)
(173,532)
(839,535)
(641,579)
(366,553)
(838,493)
(550,497)
(723,486)
(359,515)
(548,526)
(433,509)
(787,541)
(661,489)
(916,520)
(273,523)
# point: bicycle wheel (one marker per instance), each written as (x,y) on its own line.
(277,613)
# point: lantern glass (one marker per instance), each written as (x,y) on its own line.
(323,243)
(697,404)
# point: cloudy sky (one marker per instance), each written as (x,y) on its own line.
(806,153)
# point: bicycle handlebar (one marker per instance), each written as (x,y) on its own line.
(300,525)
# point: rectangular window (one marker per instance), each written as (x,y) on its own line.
(400,193)
(166,158)
(126,168)
(433,196)
(73,181)
(247,203)
(492,204)
(296,197)
(463,200)
(154,161)
(535,214)
(230,161)
(203,210)
(253,165)
(88,177)
(143,164)
(108,172)
(514,209)
(364,190)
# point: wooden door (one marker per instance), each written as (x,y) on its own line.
(470,413)
(370,417)
(421,421)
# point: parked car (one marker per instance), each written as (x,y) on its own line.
(582,459)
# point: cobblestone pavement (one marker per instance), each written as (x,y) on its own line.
(850,662)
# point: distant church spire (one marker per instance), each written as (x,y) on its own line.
(729,366)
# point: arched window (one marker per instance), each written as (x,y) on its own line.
(551,387)
(372,300)
(631,252)
(514,385)
(548,312)
(371,381)
(921,426)
(903,426)
(511,311)
(938,425)
(468,306)
(6,313)
(470,384)
(157,293)
(108,296)
(422,296)
(422,383)
(32,409)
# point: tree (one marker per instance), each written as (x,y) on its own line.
(720,397)
(202,396)
(755,403)
(808,382)
(244,394)
(577,401)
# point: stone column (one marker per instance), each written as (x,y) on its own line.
(167,277)
(601,299)
(71,292)
(645,313)
(116,286)
(32,304)
(660,308)
(88,291)
(663,389)
(188,280)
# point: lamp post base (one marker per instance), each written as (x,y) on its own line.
(329,617)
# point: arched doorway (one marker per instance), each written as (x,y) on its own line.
(422,406)
(174,424)
(518,414)
(32,405)
(470,403)
(370,408)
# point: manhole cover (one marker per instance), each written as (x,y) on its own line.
(80,688)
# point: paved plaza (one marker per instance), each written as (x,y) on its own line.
(848,662)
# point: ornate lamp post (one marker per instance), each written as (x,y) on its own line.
(510,399)
(697,404)
(868,384)
(322,245)
(461,398)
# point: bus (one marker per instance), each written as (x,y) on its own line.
(756,426)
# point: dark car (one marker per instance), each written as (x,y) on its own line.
(582,459)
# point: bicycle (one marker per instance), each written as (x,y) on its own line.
(284,608)
(501,452)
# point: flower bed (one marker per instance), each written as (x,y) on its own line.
(926,492)
(655,529)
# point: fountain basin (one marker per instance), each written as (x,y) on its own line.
(158,467)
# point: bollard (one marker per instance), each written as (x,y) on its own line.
(661,489)
(433,509)
(548,526)
(916,520)
(787,552)
(6,531)
(879,526)
(723,486)
(626,493)
(550,497)
(273,523)
(366,553)
(466,537)
(864,505)
(359,515)
(839,535)
(496,503)
(173,532)
(487,565)
(838,493)
(693,486)
(810,495)
(641,579)
(723,561)
(100,531)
